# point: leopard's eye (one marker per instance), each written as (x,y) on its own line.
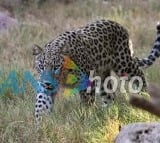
(41,67)
(55,68)
(57,71)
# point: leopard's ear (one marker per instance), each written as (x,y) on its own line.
(36,50)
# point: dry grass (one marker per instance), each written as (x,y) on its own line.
(70,123)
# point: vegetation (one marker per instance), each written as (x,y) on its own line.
(70,122)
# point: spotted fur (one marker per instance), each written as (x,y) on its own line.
(102,46)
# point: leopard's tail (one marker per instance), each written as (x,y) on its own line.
(154,54)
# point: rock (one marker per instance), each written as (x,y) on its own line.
(6,21)
(139,133)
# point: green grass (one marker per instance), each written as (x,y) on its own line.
(70,122)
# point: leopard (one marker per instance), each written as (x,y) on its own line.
(102,46)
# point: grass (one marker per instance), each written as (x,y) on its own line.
(70,122)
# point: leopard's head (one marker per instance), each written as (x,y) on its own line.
(48,64)
(47,59)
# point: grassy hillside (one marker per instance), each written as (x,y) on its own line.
(70,122)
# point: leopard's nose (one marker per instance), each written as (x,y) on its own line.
(48,85)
